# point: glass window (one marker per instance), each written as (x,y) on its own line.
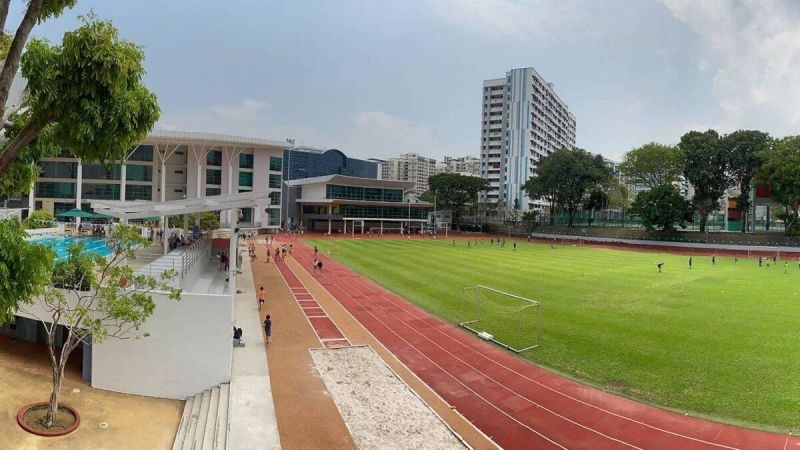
(275,164)
(60,207)
(139,173)
(57,169)
(138,192)
(55,190)
(101,172)
(245,160)
(274,216)
(275,198)
(213,176)
(274,181)
(214,158)
(210,192)
(142,153)
(246,179)
(247,215)
(100,191)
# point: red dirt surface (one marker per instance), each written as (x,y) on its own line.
(516,403)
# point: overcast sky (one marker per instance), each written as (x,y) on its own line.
(378,78)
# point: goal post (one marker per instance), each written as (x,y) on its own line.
(335,247)
(506,319)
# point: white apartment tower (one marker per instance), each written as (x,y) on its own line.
(523,120)
(410,167)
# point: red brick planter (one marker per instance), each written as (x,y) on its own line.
(39,431)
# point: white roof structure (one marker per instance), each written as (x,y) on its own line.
(353,181)
(196,137)
(141,209)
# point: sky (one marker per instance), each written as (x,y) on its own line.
(380,78)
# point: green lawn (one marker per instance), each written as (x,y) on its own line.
(719,341)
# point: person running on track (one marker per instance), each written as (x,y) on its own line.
(262,297)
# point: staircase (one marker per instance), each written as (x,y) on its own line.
(204,422)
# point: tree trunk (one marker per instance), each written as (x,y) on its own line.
(52,408)
(703,220)
(4,4)
(15,52)
(15,147)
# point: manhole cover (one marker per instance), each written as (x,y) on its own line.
(103,424)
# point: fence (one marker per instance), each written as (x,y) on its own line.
(182,260)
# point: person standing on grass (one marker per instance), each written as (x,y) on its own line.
(515,245)
(785,266)
(690,262)
(714,260)
(759,261)
(660,264)
(268,328)
(315,250)
(262,297)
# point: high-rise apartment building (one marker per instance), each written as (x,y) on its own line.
(523,120)
(464,165)
(409,167)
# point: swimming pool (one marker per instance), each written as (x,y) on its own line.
(59,245)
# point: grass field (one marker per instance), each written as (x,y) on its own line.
(718,341)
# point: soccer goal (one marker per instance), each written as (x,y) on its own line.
(335,247)
(501,317)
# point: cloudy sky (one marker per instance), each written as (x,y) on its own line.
(378,78)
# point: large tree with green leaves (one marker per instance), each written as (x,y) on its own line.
(652,165)
(454,191)
(662,207)
(24,268)
(565,176)
(96,298)
(780,172)
(706,169)
(743,147)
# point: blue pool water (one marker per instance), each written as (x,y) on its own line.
(59,245)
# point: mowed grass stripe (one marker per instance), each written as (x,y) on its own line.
(719,341)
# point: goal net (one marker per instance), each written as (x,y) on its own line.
(501,317)
(335,247)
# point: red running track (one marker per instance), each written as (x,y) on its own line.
(516,403)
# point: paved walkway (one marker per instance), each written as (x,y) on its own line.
(252,413)
(519,404)
(307,416)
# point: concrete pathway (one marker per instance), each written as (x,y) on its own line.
(252,412)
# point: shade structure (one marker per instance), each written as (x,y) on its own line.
(75,212)
(101,216)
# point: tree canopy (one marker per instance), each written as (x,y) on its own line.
(780,171)
(564,177)
(454,191)
(662,207)
(24,268)
(706,169)
(742,148)
(653,164)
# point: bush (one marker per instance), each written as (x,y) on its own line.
(38,219)
(662,207)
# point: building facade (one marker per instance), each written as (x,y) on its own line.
(308,162)
(522,121)
(169,165)
(462,165)
(341,204)
(410,167)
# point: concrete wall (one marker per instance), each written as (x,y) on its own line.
(189,350)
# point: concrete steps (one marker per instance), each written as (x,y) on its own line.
(204,422)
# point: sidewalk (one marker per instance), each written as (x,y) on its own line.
(307,416)
(252,413)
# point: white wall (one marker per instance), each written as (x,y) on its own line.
(189,350)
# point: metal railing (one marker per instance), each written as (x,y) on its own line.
(182,260)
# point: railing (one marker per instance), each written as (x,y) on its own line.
(182,260)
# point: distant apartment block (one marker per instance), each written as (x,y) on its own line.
(523,120)
(463,165)
(409,167)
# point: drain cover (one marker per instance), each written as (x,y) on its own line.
(103,425)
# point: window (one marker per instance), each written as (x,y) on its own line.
(275,198)
(179,172)
(100,191)
(275,164)
(101,172)
(59,207)
(138,173)
(246,179)
(274,216)
(178,191)
(38,204)
(274,181)
(245,160)
(53,169)
(210,192)
(213,176)
(138,192)
(55,190)
(214,158)
(142,153)
(247,215)
(334,191)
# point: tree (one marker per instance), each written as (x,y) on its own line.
(24,268)
(743,147)
(662,207)
(98,298)
(780,171)
(706,169)
(596,201)
(619,196)
(209,220)
(454,191)
(652,165)
(564,176)
(84,96)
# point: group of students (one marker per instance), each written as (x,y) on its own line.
(761,260)
(262,298)
(492,242)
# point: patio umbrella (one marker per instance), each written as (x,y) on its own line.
(102,216)
(75,212)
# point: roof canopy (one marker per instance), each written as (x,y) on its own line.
(353,181)
(195,137)
(75,212)
(140,209)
